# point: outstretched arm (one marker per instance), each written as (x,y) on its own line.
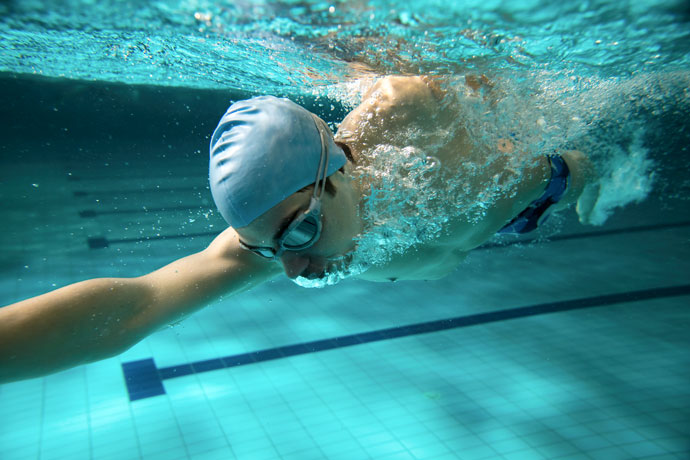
(100,318)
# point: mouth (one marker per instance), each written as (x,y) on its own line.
(332,272)
(310,272)
(314,276)
(313,271)
(333,264)
(341,260)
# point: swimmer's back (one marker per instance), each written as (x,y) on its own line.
(412,112)
(387,109)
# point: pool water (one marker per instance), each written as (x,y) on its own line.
(570,343)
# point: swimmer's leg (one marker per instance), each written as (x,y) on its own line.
(586,203)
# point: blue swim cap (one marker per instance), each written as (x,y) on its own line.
(264,150)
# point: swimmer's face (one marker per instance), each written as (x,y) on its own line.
(340,225)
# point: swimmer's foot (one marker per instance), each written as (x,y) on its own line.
(584,186)
(586,204)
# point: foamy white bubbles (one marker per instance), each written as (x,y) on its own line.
(333,277)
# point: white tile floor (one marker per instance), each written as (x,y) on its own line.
(606,383)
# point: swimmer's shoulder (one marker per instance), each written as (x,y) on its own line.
(399,91)
(392,104)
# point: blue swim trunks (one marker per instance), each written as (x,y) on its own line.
(529,219)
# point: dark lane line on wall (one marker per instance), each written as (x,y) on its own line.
(102,242)
(118,176)
(112,193)
(586,235)
(91,213)
(144,379)
(99,243)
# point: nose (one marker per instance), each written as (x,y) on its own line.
(302,265)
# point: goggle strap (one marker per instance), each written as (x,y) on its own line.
(324,156)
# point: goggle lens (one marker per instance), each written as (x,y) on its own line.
(303,234)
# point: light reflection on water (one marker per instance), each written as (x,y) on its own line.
(287,47)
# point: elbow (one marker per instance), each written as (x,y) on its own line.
(139,321)
(128,321)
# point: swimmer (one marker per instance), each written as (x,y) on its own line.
(289,190)
(272,207)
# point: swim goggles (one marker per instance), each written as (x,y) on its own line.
(305,229)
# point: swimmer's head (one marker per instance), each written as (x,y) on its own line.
(263,150)
(265,154)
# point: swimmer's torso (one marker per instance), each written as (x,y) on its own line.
(411,111)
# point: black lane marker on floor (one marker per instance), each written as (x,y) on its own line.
(145,380)
(142,379)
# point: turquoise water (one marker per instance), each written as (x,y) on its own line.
(570,343)
(291,46)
